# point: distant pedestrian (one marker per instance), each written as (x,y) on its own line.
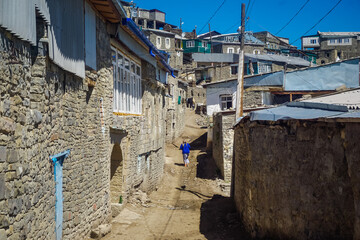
(185,147)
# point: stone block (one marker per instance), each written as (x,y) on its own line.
(3,235)
(37,116)
(3,153)
(7,125)
(12,156)
(2,186)
(4,221)
(15,206)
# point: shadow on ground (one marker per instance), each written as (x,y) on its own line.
(206,168)
(219,220)
(199,143)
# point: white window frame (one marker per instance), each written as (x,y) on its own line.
(264,67)
(256,51)
(167,43)
(158,42)
(204,44)
(127,84)
(230,48)
(313,41)
(190,44)
(224,99)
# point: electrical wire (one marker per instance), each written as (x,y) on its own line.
(248,8)
(293,17)
(212,16)
(318,21)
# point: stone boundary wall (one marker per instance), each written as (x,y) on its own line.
(223,140)
(298,179)
(45,110)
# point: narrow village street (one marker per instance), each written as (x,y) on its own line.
(189,203)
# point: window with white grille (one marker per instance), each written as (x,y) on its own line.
(190,44)
(127,84)
(225,102)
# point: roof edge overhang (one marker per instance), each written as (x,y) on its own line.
(129,25)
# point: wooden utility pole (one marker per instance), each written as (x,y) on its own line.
(240,85)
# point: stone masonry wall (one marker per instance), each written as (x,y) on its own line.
(142,138)
(298,179)
(44,111)
(252,99)
(175,116)
(223,140)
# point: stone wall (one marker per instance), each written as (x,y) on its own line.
(198,93)
(252,99)
(298,179)
(223,140)
(44,111)
(175,116)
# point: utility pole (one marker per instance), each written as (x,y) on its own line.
(211,50)
(181,23)
(240,85)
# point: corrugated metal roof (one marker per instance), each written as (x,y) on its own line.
(216,57)
(350,99)
(320,78)
(278,58)
(344,34)
(18,17)
(293,111)
(65,21)
(249,38)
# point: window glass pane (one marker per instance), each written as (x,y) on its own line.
(127,63)
(113,56)
(138,70)
(132,67)
(120,60)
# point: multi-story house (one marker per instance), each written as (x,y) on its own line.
(273,44)
(229,43)
(332,46)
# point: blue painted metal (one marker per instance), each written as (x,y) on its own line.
(58,161)
(151,53)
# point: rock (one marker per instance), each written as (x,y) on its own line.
(13,156)
(2,186)
(2,234)
(100,231)
(2,153)
(4,222)
(37,116)
(104,229)
(7,125)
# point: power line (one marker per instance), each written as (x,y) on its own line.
(293,17)
(247,19)
(318,21)
(212,16)
(247,8)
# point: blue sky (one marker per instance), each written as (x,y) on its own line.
(265,15)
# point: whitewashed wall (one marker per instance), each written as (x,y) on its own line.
(213,93)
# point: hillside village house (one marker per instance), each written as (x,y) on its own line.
(82,116)
(332,46)
(279,87)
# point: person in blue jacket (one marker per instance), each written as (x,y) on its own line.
(185,147)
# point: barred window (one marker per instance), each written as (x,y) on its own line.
(127,84)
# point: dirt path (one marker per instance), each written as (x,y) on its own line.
(188,204)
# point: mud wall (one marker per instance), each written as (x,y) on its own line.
(298,179)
